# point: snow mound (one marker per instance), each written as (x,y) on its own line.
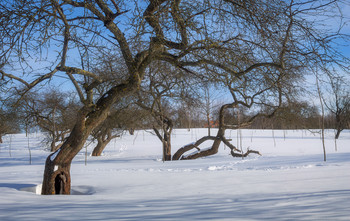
(33,189)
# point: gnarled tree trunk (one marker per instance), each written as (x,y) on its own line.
(56,178)
(220,137)
(101,145)
(167,147)
(103,138)
(166,142)
(201,153)
(57,167)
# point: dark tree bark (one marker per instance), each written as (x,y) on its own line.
(338,133)
(341,119)
(101,145)
(57,165)
(131,131)
(166,142)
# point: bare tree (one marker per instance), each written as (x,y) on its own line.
(9,116)
(107,131)
(319,92)
(209,103)
(119,120)
(165,86)
(9,121)
(185,116)
(292,115)
(53,111)
(239,38)
(338,103)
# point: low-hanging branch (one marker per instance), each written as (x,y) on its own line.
(188,147)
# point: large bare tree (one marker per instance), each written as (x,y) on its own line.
(247,41)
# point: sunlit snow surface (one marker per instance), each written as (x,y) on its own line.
(289,181)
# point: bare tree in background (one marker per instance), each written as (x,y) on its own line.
(292,115)
(53,111)
(164,88)
(210,101)
(120,119)
(104,133)
(9,119)
(338,103)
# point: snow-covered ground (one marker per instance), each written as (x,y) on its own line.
(289,181)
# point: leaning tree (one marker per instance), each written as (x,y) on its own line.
(44,40)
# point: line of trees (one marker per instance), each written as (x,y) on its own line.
(155,57)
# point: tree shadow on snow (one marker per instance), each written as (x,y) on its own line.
(16,186)
(34,188)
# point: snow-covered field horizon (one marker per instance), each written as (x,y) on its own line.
(290,181)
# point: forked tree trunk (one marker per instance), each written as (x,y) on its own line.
(101,145)
(103,137)
(166,141)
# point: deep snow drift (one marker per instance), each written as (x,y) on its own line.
(289,181)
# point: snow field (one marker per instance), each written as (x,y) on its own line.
(289,181)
